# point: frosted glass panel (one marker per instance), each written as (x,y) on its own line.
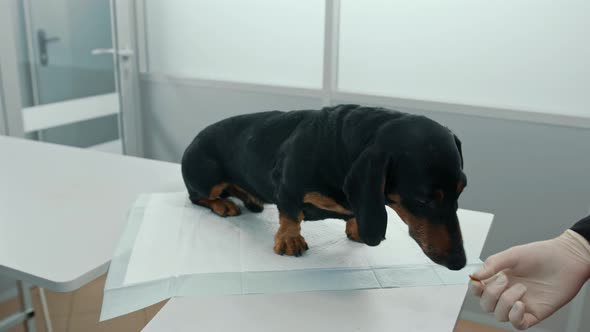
(527,55)
(257,41)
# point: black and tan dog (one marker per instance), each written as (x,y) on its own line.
(346,162)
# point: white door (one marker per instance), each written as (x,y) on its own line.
(71,72)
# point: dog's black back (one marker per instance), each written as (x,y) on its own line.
(251,150)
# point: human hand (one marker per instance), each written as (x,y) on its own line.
(526,284)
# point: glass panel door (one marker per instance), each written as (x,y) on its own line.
(67,73)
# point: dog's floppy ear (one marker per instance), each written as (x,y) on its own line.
(364,188)
(458,144)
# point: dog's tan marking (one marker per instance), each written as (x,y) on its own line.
(460,187)
(394,197)
(219,206)
(243,195)
(217,190)
(324,203)
(439,195)
(288,239)
(352,231)
(432,238)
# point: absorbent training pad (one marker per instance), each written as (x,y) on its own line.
(171,247)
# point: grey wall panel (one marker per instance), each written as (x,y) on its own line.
(174,114)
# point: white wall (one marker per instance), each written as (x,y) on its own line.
(526,55)
(257,41)
(530,55)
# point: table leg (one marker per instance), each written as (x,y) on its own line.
(45,308)
(27,306)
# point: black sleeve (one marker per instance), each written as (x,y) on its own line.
(582,227)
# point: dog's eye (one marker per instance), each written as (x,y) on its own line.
(425,202)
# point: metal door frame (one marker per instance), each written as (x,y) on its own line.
(10,94)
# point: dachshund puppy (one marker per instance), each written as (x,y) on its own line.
(346,162)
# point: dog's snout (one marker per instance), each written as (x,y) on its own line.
(456,260)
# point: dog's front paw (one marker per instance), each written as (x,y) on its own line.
(352,231)
(290,245)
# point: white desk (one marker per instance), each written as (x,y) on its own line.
(420,309)
(62,209)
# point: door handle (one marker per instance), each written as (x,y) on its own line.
(42,41)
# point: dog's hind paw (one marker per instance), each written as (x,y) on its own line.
(221,207)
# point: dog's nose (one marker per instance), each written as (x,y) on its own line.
(456,260)
(456,265)
(373,241)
